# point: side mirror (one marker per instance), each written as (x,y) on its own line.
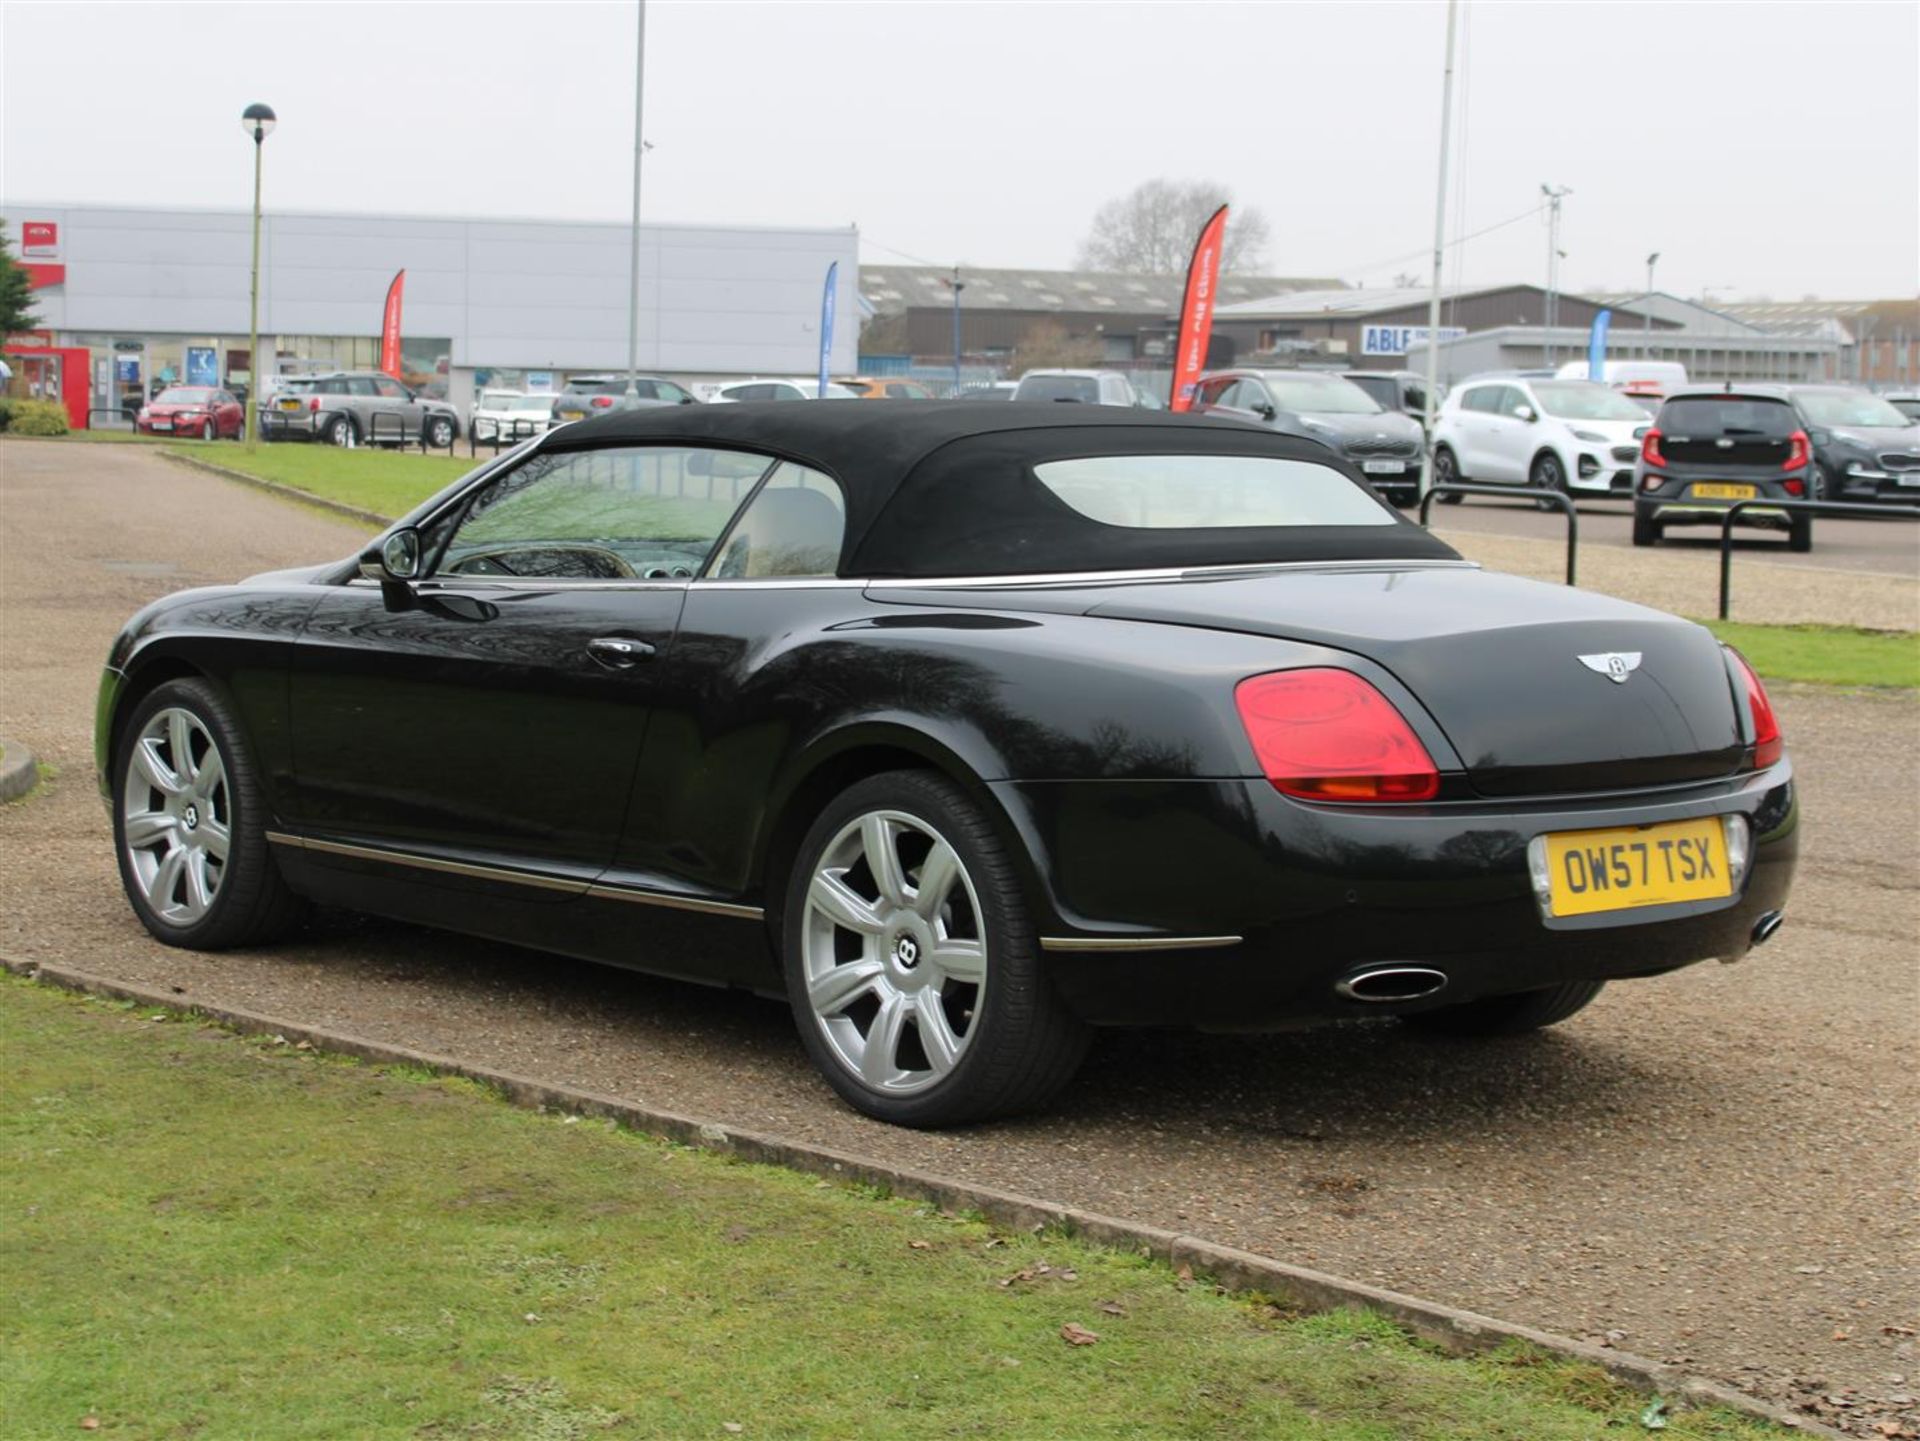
(1264,409)
(1525,412)
(395,560)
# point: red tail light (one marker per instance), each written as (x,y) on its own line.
(1799,451)
(1767,743)
(1794,487)
(1650,448)
(601,402)
(1327,735)
(313,402)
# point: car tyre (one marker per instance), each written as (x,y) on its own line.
(209,431)
(439,432)
(1446,471)
(1820,482)
(342,431)
(921,1008)
(190,822)
(1512,1015)
(1547,473)
(1646,530)
(1800,534)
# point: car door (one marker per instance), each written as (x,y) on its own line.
(391,398)
(1504,437)
(491,713)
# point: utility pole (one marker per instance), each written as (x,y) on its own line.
(1646,311)
(958,286)
(1555,194)
(633,266)
(1439,257)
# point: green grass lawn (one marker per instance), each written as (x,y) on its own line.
(386,482)
(219,1237)
(1826,654)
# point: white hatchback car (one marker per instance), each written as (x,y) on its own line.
(789,388)
(1575,436)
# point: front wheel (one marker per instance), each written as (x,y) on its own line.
(440,432)
(209,431)
(190,822)
(1548,474)
(1508,1015)
(911,963)
(1820,484)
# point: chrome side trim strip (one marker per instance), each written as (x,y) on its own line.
(430,863)
(673,902)
(1138,943)
(590,889)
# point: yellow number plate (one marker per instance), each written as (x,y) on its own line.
(1617,870)
(573,415)
(1708,491)
(289,404)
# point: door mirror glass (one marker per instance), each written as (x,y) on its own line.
(1524,412)
(394,560)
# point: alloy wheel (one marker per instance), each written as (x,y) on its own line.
(894,952)
(176,816)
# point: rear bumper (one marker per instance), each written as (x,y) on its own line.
(1674,503)
(1278,902)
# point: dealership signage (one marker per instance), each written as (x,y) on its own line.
(40,238)
(1395,339)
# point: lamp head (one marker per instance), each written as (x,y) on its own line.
(258,121)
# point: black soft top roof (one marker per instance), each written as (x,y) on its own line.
(938,488)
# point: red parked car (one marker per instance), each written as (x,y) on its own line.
(195,410)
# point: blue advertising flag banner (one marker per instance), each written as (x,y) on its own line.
(203,365)
(826,325)
(1597,346)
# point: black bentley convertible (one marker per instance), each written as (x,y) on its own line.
(967,728)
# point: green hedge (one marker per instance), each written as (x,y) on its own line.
(37,417)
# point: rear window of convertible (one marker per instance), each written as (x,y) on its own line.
(1213,492)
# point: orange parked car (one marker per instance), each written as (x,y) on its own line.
(869,387)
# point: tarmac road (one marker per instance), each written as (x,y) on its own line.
(1719,1165)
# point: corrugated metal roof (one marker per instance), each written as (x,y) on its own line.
(893,288)
(1330,301)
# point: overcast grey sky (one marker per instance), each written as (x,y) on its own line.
(1762,148)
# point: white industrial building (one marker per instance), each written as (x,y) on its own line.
(518,302)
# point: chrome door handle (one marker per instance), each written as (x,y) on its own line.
(618,652)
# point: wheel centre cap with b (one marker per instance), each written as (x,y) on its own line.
(191,816)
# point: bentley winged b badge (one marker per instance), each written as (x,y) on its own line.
(1615,665)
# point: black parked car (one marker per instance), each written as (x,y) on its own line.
(1864,448)
(1710,448)
(1383,443)
(966,727)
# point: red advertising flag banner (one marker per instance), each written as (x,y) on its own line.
(390,327)
(1196,311)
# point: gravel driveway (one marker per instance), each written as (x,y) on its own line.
(1717,1167)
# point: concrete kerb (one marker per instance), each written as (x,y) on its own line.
(19,771)
(274,487)
(1455,1330)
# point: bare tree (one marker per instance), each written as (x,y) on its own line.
(1151,230)
(1047,345)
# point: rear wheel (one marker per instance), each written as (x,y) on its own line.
(1800,534)
(189,824)
(1508,1015)
(342,431)
(912,965)
(1646,530)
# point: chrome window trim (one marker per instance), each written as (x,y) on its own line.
(593,890)
(1138,943)
(952,582)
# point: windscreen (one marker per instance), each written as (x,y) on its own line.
(1320,395)
(1585,400)
(1728,415)
(1208,492)
(1380,387)
(1060,387)
(1841,407)
(533,404)
(183,395)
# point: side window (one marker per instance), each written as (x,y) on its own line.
(357,385)
(1482,398)
(785,392)
(622,513)
(667,390)
(752,392)
(794,527)
(644,389)
(388,387)
(1512,398)
(1413,398)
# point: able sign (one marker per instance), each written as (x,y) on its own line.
(1394,339)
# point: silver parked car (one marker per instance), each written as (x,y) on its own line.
(356,407)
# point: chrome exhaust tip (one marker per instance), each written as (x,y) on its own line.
(1382,984)
(1764,928)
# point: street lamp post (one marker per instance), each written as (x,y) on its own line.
(258,121)
(640,148)
(958,285)
(1646,311)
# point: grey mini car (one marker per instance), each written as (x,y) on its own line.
(356,407)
